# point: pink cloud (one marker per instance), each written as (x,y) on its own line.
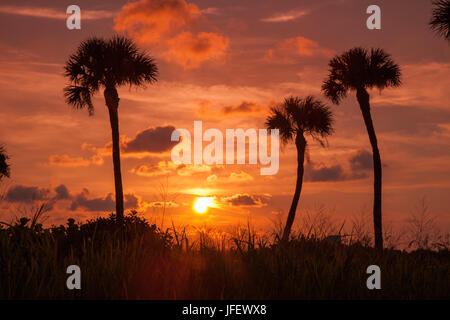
(290,48)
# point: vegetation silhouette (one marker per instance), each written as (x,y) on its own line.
(140,261)
(295,118)
(4,165)
(99,64)
(440,19)
(359,69)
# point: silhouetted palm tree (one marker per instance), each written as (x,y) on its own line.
(100,64)
(359,70)
(440,20)
(4,166)
(295,119)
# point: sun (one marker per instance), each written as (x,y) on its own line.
(202,204)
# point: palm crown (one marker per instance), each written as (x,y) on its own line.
(360,69)
(440,20)
(301,116)
(4,166)
(99,63)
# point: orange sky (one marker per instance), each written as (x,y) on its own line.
(225,63)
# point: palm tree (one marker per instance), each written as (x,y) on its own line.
(4,166)
(360,70)
(440,20)
(295,119)
(100,64)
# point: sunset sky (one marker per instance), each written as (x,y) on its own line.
(225,63)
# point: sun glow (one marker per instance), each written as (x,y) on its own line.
(202,204)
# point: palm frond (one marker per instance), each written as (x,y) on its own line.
(279,119)
(440,19)
(302,115)
(357,69)
(128,65)
(320,120)
(383,71)
(79,97)
(4,165)
(98,63)
(87,66)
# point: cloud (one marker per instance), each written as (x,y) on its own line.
(62,193)
(243,107)
(168,167)
(290,49)
(159,169)
(161,204)
(247,200)
(321,172)
(286,16)
(30,194)
(153,140)
(51,13)
(106,203)
(246,108)
(26,194)
(168,25)
(67,161)
(359,166)
(189,170)
(240,177)
(362,160)
(190,51)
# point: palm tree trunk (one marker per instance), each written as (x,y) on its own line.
(363,99)
(112,102)
(300,143)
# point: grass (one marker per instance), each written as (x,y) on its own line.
(140,261)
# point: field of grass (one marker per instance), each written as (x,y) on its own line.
(139,261)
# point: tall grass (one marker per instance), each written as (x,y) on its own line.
(140,261)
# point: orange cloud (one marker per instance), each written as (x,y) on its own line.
(162,168)
(300,46)
(247,200)
(244,107)
(286,16)
(168,167)
(162,204)
(189,170)
(239,177)
(168,26)
(191,50)
(67,161)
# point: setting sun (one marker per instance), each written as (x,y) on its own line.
(202,204)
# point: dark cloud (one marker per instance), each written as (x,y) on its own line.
(29,194)
(26,194)
(243,107)
(359,165)
(151,140)
(362,160)
(62,193)
(247,200)
(106,203)
(321,172)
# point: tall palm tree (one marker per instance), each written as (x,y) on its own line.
(440,20)
(360,70)
(101,64)
(295,119)
(4,165)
